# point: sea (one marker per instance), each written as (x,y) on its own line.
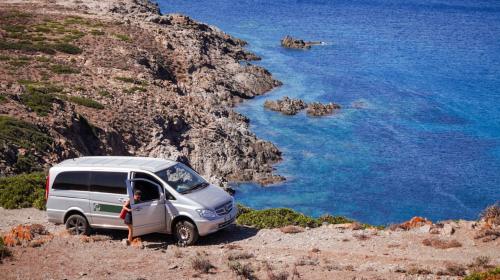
(419,85)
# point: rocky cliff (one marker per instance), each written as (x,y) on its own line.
(118,78)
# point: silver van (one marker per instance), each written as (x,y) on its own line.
(88,192)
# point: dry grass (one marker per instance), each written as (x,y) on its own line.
(303,261)
(315,250)
(233,247)
(239,256)
(94,238)
(480,263)
(291,229)
(487,235)
(453,269)
(361,237)
(201,264)
(242,271)
(416,270)
(275,275)
(177,253)
(441,244)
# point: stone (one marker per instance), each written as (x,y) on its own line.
(319,109)
(290,42)
(285,105)
(448,229)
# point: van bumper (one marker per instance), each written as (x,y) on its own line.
(206,227)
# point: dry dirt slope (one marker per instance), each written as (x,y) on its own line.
(328,252)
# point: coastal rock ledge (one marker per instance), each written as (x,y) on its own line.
(291,106)
(130,82)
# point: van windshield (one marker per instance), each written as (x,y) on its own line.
(182,178)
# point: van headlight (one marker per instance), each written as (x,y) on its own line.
(207,214)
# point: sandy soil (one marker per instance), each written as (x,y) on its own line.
(327,252)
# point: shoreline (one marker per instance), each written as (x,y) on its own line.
(189,78)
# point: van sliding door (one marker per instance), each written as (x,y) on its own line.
(108,191)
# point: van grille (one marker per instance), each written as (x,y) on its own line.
(224,208)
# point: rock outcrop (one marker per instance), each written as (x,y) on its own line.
(285,105)
(318,109)
(291,106)
(133,82)
(292,43)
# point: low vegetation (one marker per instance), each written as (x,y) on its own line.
(39,96)
(63,69)
(87,102)
(22,191)
(122,37)
(22,135)
(201,264)
(492,274)
(283,218)
(491,215)
(441,244)
(242,271)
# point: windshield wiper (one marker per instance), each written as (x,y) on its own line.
(197,186)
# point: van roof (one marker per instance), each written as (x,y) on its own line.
(144,163)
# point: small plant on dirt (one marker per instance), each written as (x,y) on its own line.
(178,253)
(453,269)
(242,271)
(492,274)
(273,275)
(97,32)
(441,244)
(361,237)
(480,262)
(2,99)
(239,256)
(201,264)
(307,261)
(415,270)
(67,48)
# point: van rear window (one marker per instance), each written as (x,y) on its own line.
(108,182)
(72,180)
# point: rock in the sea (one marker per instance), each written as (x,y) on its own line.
(292,43)
(285,105)
(319,109)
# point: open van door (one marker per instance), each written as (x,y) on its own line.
(148,214)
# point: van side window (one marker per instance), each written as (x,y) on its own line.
(72,181)
(149,191)
(108,182)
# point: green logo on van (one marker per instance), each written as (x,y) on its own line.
(108,208)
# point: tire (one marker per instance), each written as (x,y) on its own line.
(186,233)
(76,224)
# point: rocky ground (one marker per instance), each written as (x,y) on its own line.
(118,78)
(327,252)
(293,43)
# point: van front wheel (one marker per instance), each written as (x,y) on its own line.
(186,233)
(77,224)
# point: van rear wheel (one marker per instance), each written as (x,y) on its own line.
(77,224)
(186,233)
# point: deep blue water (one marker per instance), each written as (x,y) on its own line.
(419,82)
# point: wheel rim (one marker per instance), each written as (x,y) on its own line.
(76,226)
(184,232)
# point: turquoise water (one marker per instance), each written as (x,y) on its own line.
(419,83)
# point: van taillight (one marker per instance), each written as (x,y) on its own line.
(47,187)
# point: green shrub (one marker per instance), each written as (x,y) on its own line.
(27,46)
(41,103)
(22,191)
(277,217)
(14,28)
(4,57)
(105,93)
(242,209)
(86,102)
(63,69)
(334,219)
(135,89)
(22,134)
(2,99)
(490,274)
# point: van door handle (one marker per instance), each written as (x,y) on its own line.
(121,199)
(138,209)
